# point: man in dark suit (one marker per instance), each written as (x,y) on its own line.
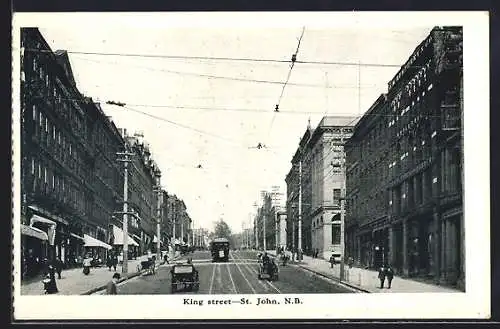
(111,287)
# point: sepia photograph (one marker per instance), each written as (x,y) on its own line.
(239,165)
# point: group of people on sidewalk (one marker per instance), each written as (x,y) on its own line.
(385,272)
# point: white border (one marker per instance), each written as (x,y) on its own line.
(475,303)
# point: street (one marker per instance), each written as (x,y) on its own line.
(238,276)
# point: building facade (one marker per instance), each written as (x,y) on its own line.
(142,197)
(71,181)
(366,194)
(326,151)
(57,155)
(316,173)
(424,227)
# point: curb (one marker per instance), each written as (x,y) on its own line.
(128,277)
(359,289)
(334,279)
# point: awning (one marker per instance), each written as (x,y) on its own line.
(92,242)
(45,213)
(77,236)
(118,233)
(39,219)
(34,232)
(51,231)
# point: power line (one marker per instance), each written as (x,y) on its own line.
(294,58)
(211,76)
(241,59)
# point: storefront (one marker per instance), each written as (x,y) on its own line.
(118,241)
(95,248)
(33,250)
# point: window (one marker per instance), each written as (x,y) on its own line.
(336,197)
(335,233)
(54,132)
(46,125)
(39,171)
(32,166)
(34,113)
(53,181)
(45,174)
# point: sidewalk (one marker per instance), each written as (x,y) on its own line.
(74,282)
(366,280)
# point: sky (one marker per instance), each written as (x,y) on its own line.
(191,114)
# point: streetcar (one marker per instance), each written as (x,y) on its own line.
(219,249)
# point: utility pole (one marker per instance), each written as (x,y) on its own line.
(158,214)
(182,230)
(264,215)
(174,215)
(126,159)
(342,206)
(299,242)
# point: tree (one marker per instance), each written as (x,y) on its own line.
(222,230)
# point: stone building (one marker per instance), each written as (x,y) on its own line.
(319,155)
(423,232)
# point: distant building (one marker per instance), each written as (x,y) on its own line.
(281,236)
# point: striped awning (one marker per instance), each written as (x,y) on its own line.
(34,232)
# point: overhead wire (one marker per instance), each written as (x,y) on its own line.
(294,58)
(340,63)
(219,77)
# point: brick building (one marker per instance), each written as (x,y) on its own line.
(366,192)
(180,222)
(71,183)
(142,198)
(423,232)
(57,157)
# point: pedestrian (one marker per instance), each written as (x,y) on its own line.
(381,276)
(389,273)
(109,262)
(87,263)
(332,261)
(58,266)
(115,261)
(111,288)
(49,282)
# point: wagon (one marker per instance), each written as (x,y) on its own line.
(148,266)
(269,271)
(184,278)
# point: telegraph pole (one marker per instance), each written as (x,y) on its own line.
(342,206)
(299,242)
(158,214)
(264,215)
(174,215)
(126,159)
